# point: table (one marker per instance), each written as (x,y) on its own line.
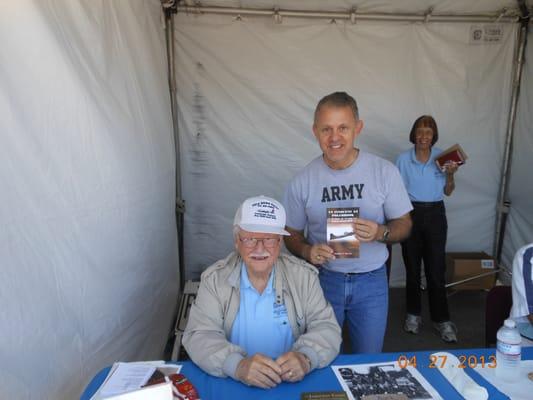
(211,388)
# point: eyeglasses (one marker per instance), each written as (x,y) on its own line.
(252,242)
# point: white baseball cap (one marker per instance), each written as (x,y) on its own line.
(261,214)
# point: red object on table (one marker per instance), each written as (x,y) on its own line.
(182,388)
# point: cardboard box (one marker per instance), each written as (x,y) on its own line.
(461,266)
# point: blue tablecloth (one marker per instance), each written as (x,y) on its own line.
(211,388)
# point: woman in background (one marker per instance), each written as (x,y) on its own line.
(427,185)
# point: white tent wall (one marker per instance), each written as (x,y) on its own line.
(88,242)
(519,230)
(247,91)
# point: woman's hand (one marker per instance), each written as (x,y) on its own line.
(451,167)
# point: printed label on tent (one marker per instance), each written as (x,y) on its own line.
(486,34)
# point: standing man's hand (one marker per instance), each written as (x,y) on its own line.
(294,366)
(320,254)
(259,370)
(366,230)
(297,244)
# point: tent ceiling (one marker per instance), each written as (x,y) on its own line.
(446,7)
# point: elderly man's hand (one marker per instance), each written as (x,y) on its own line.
(294,366)
(260,371)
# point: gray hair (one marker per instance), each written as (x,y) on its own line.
(236,230)
(338,100)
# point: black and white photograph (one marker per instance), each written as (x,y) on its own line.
(384,378)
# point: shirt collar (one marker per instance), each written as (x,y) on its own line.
(245,280)
(415,160)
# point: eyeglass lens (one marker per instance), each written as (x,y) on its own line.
(252,242)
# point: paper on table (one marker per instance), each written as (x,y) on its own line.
(108,386)
(520,389)
(457,377)
(127,377)
(163,391)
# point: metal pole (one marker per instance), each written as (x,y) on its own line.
(180,203)
(452,284)
(352,15)
(503,204)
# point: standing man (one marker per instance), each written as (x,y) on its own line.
(344,177)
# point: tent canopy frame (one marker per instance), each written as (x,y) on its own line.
(519,15)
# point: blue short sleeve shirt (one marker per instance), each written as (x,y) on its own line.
(261,325)
(423,181)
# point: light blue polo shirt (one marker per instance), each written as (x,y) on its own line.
(261,325)
(423,181)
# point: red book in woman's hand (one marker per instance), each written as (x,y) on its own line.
(454,153)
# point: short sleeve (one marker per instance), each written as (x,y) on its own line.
(397,202)
(294,203)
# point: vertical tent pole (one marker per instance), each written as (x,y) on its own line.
(170,10)
(504,204)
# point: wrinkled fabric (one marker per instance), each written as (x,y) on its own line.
(247,92)
(519,229)
(88,249)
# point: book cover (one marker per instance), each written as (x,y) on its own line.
(454,153)
(340,231)
(324,396)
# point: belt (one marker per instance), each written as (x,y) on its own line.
(353,273)
(427,204)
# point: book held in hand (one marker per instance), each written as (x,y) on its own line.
(454,153)
(340,231)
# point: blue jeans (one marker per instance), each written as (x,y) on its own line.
(363,300)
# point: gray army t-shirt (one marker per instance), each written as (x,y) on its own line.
(370,183)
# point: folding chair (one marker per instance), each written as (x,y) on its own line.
(186,300)
(497,307)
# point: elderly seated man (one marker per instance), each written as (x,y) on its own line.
(260,317)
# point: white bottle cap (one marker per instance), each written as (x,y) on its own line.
(509,323)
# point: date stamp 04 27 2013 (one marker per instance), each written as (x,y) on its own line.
(440,361)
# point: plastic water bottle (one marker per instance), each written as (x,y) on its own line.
(508,352)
